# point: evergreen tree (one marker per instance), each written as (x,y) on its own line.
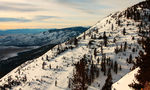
(117,50)
(50,66)
(130,59)
(79,80)
(114,40)
(112,27)
(98,60)
(84,36)
(124,31)
(101,49)
(95,52)
(104,69)
(105,38)
(118,22)
(76,42)
(43,65)
(46,57)
(116,67)
(55,82)
(69,83)
(120,68)
(108,82)
(125,46)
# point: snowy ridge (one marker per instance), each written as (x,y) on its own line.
(58,63)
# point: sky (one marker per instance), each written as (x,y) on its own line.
(18,14)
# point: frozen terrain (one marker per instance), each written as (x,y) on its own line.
(53,36)
(111,45)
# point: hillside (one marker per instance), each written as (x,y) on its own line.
(92,61)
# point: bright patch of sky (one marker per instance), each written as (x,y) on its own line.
(57,13)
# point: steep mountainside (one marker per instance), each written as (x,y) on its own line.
(92,61)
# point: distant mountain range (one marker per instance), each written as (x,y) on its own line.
(35,37)
(22,31)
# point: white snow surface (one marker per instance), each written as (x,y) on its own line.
(123,83)
(44,79)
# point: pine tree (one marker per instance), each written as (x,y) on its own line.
(43,65)
(114,40)
(120,68)
(76,42)
(125,46)
(117,50)
(79,80)
(108,82)
(50,66)
(124,31)
(42,58)
(112,27)
(46,57)
(69,83)
(104,69)
(55,82)
(95,52)
(98,60)
(105,38)
(127,60)
(101,49)
(118,22)
(84,36)
(130,59)
(116,67)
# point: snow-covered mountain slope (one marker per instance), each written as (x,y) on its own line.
(54,36)
(125,81)
(105,53)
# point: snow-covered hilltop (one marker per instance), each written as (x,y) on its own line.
(92,61)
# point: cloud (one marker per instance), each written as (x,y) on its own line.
(20,7)
(84,6)
(7,19)
(56,13)
(36,18)
(43,17)
(16,4)
(95,6)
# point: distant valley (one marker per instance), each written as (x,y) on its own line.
(21,40)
